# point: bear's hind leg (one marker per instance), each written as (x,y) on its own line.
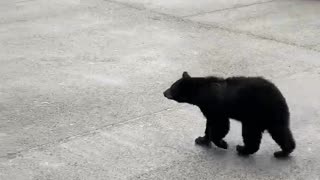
(283,137)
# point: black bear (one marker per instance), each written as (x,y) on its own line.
(254,101)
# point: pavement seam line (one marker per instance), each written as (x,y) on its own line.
(90,132)
(141,8)
(215,26)
(226,9)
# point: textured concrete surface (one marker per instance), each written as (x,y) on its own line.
(81,86)
(292,22)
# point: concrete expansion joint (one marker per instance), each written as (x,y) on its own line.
(211,26)
(13,155)
(226,9)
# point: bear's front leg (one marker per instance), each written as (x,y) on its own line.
(205,140)
(215,132)
(221,144)
(219,129)
(202,141)
(251,139)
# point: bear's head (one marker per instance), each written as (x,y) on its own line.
(180,91)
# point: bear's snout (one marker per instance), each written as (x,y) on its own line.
(167,94)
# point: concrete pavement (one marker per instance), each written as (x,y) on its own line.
(81,86)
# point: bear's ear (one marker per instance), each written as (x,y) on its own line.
(185,75)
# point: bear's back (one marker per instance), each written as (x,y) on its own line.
(254,98)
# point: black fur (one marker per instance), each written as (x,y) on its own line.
(254,101)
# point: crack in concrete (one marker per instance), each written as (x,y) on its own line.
(13,155)
(24,1)
(140,8)
(226,9)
